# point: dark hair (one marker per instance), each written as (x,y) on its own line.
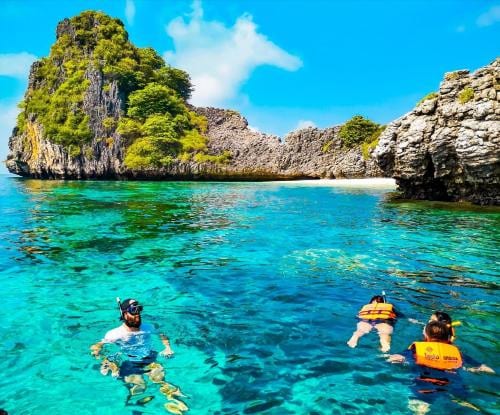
(378,299)
(3,412)
(438,330)
(442,316)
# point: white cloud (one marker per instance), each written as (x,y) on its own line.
(489,18)
(130,11)
(16,65)
(302,124)
(220,58)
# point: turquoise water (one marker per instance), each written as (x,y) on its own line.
(257,285)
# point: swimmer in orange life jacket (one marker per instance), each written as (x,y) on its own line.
(377,314)
(436,363)
(437,352)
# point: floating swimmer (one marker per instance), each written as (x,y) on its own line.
(437,361)
(135,341)
(377,314)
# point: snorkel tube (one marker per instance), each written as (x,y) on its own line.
(119,303)
(384,297)
(453,332)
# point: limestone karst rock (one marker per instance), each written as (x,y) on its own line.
(448,147)
(78,96)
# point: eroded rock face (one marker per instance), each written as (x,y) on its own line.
(448,147)
(99,151)
(307,153)
(310,153)
(34,155)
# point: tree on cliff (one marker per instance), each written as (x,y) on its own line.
(158,125)
(358,130)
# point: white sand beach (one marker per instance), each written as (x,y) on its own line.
(370,183)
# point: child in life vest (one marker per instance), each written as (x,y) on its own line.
(436,356)
(436,364)
(377,315)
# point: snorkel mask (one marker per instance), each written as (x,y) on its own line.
(133,307)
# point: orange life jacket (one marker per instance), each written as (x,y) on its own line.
(377,311)
(437,355)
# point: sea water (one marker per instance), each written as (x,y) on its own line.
(256,284)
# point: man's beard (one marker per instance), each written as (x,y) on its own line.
(133,323)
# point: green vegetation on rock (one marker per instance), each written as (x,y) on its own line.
(452,76)
(466,95)
(326,146)
(156,123)
(431,95)
(367,148)
(359,130)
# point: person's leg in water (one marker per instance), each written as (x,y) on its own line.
(363,328)
(385,331)
(132,374)
(156,373)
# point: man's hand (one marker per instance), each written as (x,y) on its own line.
(167,352)
(95,350)
(482,368)
(396,358)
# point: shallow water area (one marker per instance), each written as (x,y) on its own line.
(257,285)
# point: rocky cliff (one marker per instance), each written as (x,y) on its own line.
(78,121)
(310,153)
(448,147)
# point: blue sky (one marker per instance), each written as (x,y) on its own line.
(283,63)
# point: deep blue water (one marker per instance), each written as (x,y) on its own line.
(257,285)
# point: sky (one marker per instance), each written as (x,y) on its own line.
(283,64)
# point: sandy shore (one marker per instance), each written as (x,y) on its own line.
(378,183)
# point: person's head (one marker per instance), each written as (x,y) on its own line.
(440,316)
(131,312)
(445,318)
(377,299)
(437,331)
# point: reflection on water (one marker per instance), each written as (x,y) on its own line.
(256,284)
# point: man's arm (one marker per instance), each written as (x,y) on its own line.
(167,351)
(396,358)
(480,368)
(400,358)
(474,366)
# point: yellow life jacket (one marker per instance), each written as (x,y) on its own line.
(377,311)
(437,355)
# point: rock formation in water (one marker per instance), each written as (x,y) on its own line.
(98,107)
(448,147)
